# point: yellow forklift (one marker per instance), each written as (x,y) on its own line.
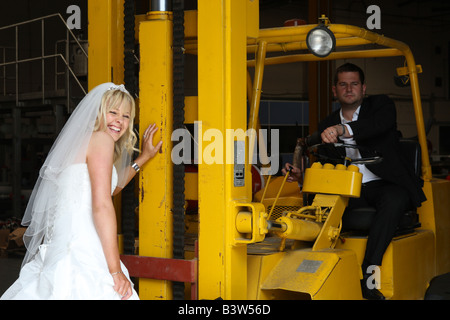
(202,233)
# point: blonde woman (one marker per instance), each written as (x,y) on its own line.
(71,239)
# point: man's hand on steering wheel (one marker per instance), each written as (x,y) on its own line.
(343,158)
(331,134)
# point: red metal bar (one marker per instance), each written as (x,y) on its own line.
(163,269)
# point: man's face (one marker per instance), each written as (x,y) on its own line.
(349,90)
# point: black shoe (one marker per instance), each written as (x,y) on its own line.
(370,294)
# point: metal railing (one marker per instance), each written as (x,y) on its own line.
(42,57)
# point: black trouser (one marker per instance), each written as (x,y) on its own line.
(390,202)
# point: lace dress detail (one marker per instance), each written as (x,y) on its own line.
(70,263)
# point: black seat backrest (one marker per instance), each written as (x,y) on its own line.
(412,154)
(360,219)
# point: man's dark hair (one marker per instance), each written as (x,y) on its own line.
(349,67)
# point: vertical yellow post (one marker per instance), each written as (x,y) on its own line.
(421,134)
(105,32)
(221,106)
(156,104)
(106,53)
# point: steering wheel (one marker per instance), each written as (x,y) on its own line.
(341,156)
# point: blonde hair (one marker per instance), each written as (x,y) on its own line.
(112,99)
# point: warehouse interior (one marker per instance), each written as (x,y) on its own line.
(44,74)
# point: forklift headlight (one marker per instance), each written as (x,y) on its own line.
(320,41)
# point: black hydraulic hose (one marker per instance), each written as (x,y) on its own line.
(129,199)
(178,210)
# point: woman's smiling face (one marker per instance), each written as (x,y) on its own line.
(118,120)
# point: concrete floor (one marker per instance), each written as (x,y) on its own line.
(9,271)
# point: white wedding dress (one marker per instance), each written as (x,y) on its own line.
(71,263)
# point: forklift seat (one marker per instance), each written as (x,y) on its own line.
(359,219)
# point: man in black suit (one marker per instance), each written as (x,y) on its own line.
(389,186)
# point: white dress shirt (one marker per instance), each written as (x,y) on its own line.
(354,153)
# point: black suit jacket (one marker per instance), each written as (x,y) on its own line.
(376,129)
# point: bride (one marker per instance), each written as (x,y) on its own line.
(71,239)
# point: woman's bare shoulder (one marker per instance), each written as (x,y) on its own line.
(101,136)
(101,143)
